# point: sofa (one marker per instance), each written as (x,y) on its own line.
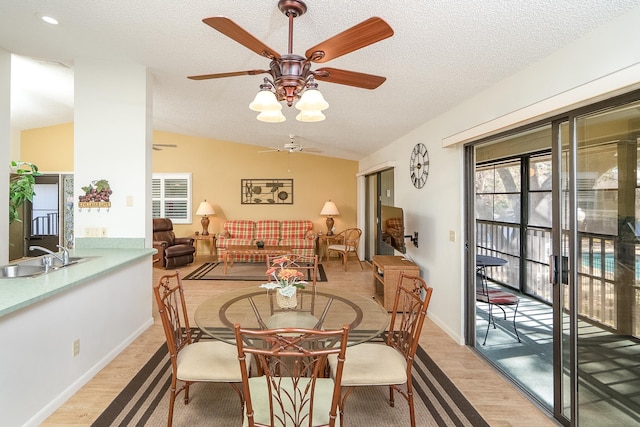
(298,234)
(172,251)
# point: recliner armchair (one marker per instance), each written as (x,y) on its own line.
(172,251)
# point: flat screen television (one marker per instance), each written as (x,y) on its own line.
(392,227)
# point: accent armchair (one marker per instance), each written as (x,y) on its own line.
(172,251)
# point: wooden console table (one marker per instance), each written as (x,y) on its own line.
(386,272)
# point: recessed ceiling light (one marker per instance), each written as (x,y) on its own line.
(50,20)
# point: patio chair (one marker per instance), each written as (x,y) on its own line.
(389,364)
(347,242)
(205,361)
(498,298)
(293,390)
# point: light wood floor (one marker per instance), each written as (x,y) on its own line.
(498,402)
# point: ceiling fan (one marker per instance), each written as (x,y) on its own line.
(291,74)
(160,147)
(292,147)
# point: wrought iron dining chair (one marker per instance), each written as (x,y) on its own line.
(303,314)
(293,390)
(205,361)
(389,364)
(346,242)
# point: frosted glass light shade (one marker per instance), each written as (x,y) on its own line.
(313,100)
(265,100)
(273,116)
(310,116)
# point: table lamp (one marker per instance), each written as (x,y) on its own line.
(329,210)
(205,209)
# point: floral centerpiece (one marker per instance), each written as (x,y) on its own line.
(286,281)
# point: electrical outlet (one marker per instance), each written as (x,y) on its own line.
(452,235)
(76,348)
(92,232)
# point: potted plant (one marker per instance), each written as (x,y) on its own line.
(286,281)
(21,187)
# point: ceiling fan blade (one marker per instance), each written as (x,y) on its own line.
(237,33)
(232,74)
(349,78)
(363,34)
(272,150)
(310,150)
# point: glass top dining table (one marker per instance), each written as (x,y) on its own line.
(251,307)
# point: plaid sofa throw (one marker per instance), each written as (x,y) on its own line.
(299,235)
(295,233)
(268,231)
(237,232)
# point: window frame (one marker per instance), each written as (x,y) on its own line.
(162,199)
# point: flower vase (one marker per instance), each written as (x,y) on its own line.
(285,301)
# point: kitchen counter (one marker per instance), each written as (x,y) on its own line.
(64,326)
(16,293)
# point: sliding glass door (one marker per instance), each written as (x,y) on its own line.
(605,289)
(556,223)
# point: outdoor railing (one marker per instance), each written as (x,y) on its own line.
(598,292)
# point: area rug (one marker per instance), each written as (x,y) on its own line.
(144,401)
(247,271)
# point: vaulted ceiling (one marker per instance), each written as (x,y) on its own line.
(442,52)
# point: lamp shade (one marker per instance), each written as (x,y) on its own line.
(265,100)
(329,209)
(312,100)
(271,116)
(310,116)
(205,209)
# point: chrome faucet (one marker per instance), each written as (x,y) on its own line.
(65,253)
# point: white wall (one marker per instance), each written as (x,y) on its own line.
(601,64)
(5,138)
(112,141)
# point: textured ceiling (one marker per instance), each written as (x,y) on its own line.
(442,52)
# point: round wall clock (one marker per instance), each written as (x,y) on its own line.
(419,165)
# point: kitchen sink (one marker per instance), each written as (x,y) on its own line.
(36,266)
(21,270)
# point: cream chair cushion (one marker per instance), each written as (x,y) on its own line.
(260,400)
(371,364)
(214,361)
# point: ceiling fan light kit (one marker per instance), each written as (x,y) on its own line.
(271,116)
(265,100)
(310,116)
(292,79)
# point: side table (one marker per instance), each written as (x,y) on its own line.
(200,237)
(323,243)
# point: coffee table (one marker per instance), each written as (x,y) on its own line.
(252,250)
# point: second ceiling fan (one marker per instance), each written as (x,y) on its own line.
(292,147)
(291,74)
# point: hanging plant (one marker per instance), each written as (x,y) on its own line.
(21,186)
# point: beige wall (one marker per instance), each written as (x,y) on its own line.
(50,148)
(217,168)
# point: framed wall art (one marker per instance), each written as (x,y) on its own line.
(269,191)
